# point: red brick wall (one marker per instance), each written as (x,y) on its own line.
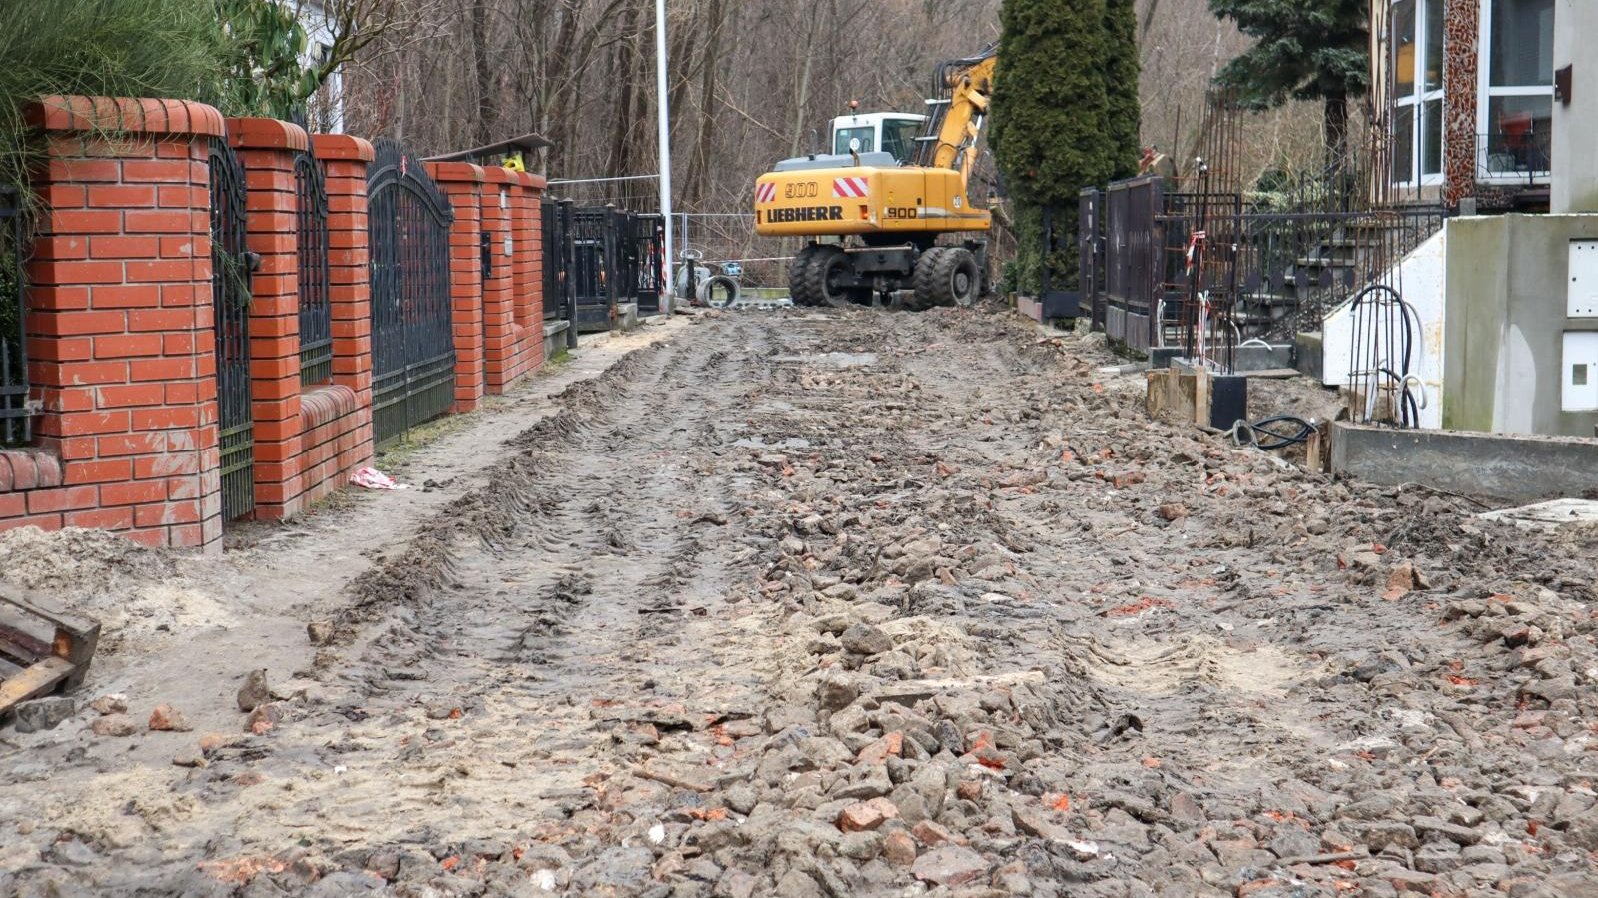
(307,439)
(120,324)
(528,224)
(338,425)
(462,184)
(499,293)
(121,327)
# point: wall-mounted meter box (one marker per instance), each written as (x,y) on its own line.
(1581,296)
(1578,366)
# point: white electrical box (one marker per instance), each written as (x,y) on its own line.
(1578,367)
(1581,292)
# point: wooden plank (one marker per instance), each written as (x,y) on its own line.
(75,638)
(39,606)
(19,654)
(1274,373)
(29,646)
(40,679)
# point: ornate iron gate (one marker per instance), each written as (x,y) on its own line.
(316,310)
(16,414)
(648,242)
(413,347)
(597,266)
(231,266)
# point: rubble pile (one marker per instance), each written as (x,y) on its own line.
(870,604)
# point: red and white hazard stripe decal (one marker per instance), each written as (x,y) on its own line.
(848,188)
(765,193)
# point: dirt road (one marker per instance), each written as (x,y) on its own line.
(836,604)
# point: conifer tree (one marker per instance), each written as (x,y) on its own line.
(1065,113)
(1303,50)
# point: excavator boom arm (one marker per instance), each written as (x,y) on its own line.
(953,129)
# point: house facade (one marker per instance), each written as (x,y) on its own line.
(1463,94)
(325,111)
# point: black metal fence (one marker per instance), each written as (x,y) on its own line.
(16,416)
(1090,253)
(1196,268)
(231,267)
(1132,247)
(596,239)
(316,308)
(413,346)
(648,251)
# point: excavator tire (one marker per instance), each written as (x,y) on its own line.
(819,278)
(956,279)
(799,281)
(923,280)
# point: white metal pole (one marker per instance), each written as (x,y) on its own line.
(665,142)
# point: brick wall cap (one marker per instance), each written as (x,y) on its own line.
(321,405)
(498,174)
(29,469)
(342,147)
(532,181)
(454,171)
(266,134)
(125,115)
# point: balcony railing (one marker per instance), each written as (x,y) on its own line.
(1522,157)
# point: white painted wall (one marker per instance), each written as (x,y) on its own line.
(1574,185)
(1421,280)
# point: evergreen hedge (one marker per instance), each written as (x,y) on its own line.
(1065,113)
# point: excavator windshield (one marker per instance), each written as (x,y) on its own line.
(899,138)
(878,132)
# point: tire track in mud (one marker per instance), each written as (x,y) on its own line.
(750,586)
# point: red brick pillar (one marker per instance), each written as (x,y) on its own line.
(462,183)
(267,149)
(499,297)
(527,334)
(532,255)
(120,323)
(344,159)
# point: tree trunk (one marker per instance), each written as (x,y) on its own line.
(487,102)
(1336,136)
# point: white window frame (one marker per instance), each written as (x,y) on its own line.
(1485,93)
(1414,104)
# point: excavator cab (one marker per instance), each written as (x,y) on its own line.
(890,132)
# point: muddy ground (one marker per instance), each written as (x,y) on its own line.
(854,603)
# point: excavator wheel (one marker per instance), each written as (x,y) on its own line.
(956,279)
(923,283)
(825,276)
(799,282)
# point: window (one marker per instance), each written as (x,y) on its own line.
(867,135)
(1417,42)
(899,138)
(1517,96)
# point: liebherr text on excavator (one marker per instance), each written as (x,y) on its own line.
(873,209)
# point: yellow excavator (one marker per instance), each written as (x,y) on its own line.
(872,210)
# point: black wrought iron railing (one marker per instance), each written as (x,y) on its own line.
(232,266)
(316,306)
(1157,264)
(16,415)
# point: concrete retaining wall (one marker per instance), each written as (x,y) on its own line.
(1512,468)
